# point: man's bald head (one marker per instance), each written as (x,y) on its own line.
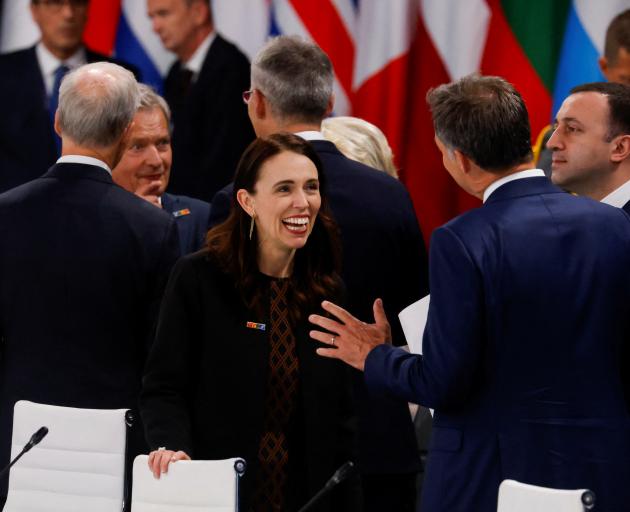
(96,104)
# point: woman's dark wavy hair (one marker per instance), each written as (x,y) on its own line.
(317,265)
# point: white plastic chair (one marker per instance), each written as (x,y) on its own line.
(79,466)
(517,497)
(208,485)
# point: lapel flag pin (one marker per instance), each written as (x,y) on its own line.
(255,325)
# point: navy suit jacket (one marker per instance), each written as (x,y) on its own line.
(27,144)
(383,256)
(192,217)
(83,265)
(211,126)
(529,314)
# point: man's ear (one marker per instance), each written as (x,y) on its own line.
(463,162)
(260,104)
(330,106)
(56,124)
(621,149)
(603,65)
(246,201)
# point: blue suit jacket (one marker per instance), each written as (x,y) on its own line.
(27,144)
(83,264)
(530,311)
(383,256)
(192,217)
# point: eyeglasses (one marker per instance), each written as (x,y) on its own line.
(247,95)
(56,5)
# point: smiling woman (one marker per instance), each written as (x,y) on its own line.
(232,372)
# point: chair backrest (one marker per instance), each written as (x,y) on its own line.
(78,466)
(518,497)
(208,485)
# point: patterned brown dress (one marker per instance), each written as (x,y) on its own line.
(282,390)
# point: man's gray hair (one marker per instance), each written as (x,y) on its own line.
(150,100)
(296,77)
(96,104)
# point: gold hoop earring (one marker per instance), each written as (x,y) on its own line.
(251,227)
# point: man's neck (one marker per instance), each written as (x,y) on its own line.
(487,178)
(600,190)
(198,37)
(61,53)
(108,155)
(292,127)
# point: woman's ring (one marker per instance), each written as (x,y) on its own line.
(161,448)
(332,341)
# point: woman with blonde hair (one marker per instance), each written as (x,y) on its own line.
(361,141)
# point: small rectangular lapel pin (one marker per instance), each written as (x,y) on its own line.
(181,213)
(255,325)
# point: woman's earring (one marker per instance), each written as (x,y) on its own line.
(251,227)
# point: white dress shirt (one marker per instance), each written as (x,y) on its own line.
(48,64)
(311,135)
(618,197)
(195,63)
(80,159)
(529,173)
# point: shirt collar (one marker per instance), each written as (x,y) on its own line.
(48,63)
(195,62)
(618,197)
(311,135)
(81,159)
(529,173)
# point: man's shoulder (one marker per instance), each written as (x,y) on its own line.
(18,57)
(343,171)
(223,48)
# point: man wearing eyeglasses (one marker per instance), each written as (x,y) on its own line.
(210,124)
(30,85)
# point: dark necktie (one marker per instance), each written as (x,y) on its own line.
(182,88)
(60,72)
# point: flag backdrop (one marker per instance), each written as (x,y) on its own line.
(387,54)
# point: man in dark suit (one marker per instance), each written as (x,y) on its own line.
(591,143)
(145,167)
(383,250)
(83,264)
(529,315)
(614,65)
(203,89)
(30,84)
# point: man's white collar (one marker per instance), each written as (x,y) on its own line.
(529,173)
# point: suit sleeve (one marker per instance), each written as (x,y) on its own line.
(167,390)
(452,342)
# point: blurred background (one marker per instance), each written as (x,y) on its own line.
(387,54)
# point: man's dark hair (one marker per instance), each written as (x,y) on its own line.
(618,96)
(485,118)
(617,36)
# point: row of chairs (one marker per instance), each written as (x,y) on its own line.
(80,466)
